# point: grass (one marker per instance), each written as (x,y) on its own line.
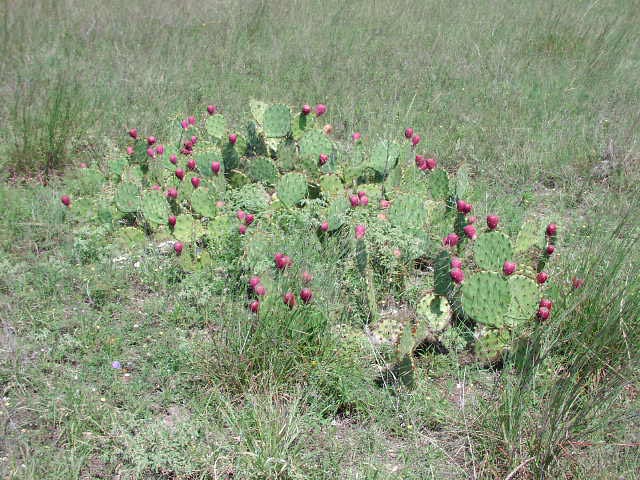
(541,99)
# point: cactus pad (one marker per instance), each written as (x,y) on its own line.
(491,250)
(529,236)
(491,344)
(462,181)
(184,228)
(313,143)
(336,213)
(433,312)
(408,211)
(204,158)
(128,198)
(291,188)
(258,109)
(439,184)
(155,207)
(331,186)
(300,124)
(385,156)
(277,121)
(525,294)
(203,203)
(230,157)
(441,268)
(262,169)
(486,297)
(216,126)
(128,239)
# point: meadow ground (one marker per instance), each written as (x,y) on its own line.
(540,99)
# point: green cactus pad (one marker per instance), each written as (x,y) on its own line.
(406,341)
(441,268)
(129,239)
(373,191)
(525,295)
(203,202)
(434,312)
(301,124)
(462,181)
(313,143)
(291,188)
(216,126)
(491,344)
(336,213)
(252,198)
(331,186)
(277,121)
(384,156)
(132,174)
(408,211)
(486,297)
(258,108)
(403,371)
(184,230)
(116,167)
(155,207)
(386,331)
(491,250)
(530,235)
(204,160)
(439,184)
(128,198)
(262,169)
(230,156)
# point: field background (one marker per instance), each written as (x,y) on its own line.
(542,99)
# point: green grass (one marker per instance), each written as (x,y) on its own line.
(540,99)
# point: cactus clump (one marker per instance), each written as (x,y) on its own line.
(127,198)
(216,126)
(314,143)
(262,169)
(486,297)
(277,121)
(491,250)
(291,188)
(155,208)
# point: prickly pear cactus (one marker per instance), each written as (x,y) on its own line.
(300,125)
(439,184)
(486,297)
(203,203)
(155,208)
(258,108)
(230,157)
(462,181)
(262,169)
(128,198)
(337,212)
(441,268)
(277,121)
(385,156)
(331,186)
(291,188)
(313,143)
(491,344)
(525,295)
(216,126)
(408,211)
(433,316)
(529,236)
(184,229)
(491,250)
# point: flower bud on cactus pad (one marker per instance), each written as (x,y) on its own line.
(306,109)
(194,139)
(129,150)
(552,229)
(195,181)
(184,124)
(324,226)
(546,303)
(66,200)
(215,167)
(324,158)
(354,200)
(191,164)
(456,262)
(260,290)
(160,149)
(191,120)
(254,306)
(248,220)
(173,159)
(451,240)
(356,136)
(408,132)
(471,220)
(172,193)
(321,109)
(289,299)
(577,282)
(543,313)
(492,222)
(384,204)
(550,249)
(542,277)
(241,215)
(253,281)
(233,138)
(415,140)
(242,229)
(364,200)
(508,268)
(178,246)
(431,163)
(470,231)
(172,221)
(360,231)
(133,133)
(151,140)
(306,295)
(457,275)
(151,153)
(180,173)
(211,109)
